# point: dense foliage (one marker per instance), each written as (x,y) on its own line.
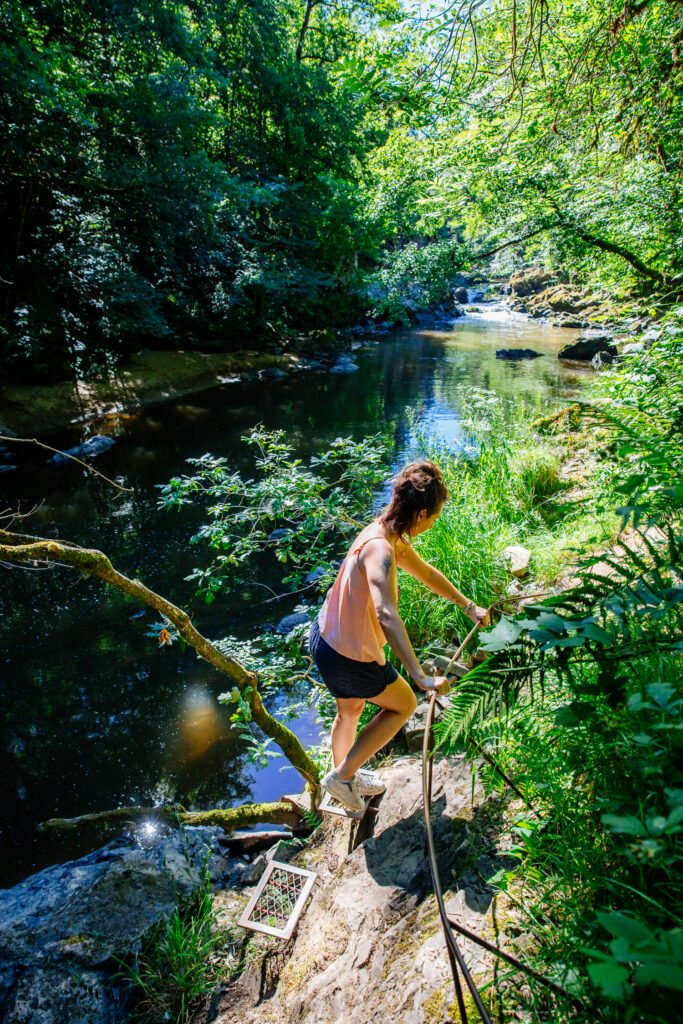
(174,171)
(581,704)
(195,173)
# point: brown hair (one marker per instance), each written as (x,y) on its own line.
(419,486)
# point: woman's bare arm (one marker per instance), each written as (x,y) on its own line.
(380,569)
(409,560)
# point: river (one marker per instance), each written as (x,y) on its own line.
(96,714)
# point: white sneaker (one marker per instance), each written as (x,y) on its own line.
(368,783)
(345,793)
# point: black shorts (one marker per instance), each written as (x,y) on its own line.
(345,677)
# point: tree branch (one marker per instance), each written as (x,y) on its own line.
(279,813)
(16,548)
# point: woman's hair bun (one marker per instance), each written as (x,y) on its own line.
(419,485)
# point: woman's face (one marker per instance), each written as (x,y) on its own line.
(425,521)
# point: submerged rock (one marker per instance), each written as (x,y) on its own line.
(588,345)
(90,449)
(61,928)
(515,354)
(344,364)
(272,373)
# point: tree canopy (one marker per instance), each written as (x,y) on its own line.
(195,173)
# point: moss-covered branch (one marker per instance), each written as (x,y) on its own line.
(21,549)
(279,813)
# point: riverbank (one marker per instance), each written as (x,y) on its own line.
(149,378)
(154,376)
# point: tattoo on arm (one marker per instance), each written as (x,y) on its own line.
(387,566)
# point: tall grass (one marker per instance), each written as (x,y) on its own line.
(183,958)
(504,488)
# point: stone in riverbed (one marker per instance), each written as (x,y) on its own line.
(315,575)
(290,622)
(272,373)
(344,364)
(460,295)
(279,534)
(589,345)
(515,354)
(90,449)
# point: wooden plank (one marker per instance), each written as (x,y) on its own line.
(300,801)
(330,806)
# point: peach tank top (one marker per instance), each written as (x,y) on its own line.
(348,620)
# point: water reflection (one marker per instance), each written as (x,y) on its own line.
(97,715)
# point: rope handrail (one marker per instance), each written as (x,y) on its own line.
(448,922)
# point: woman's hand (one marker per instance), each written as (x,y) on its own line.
(480,615)
(432,683)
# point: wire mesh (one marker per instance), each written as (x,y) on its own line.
(279,900)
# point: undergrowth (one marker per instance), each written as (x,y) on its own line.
(581,703)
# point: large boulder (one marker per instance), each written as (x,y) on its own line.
(61,929)
(460,295)
(589,345)
(529,282)
(369,947)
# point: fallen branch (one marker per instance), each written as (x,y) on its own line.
(58,451)
(279,813)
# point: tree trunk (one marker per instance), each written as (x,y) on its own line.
(310,4)
(19,548)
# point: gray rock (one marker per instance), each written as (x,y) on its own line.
(306,365)
(589,345)
(90,449)
(315,574)
(516,354)
(517,559)
(61,928)
(272,373)
(461,295)
(7,469)
(529,282)
(344,364)
(249,841)
(289,622)
(368,948)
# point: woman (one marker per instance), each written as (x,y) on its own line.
(360,615)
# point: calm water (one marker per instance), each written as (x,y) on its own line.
(98,716)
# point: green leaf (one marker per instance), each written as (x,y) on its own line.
(666,974)
(628,824)
(611,978)
(623,926)
(504,634)
(571,715)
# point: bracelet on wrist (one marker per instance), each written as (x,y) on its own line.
(468,607)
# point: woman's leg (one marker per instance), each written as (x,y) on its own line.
(344,726)
(398,703)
